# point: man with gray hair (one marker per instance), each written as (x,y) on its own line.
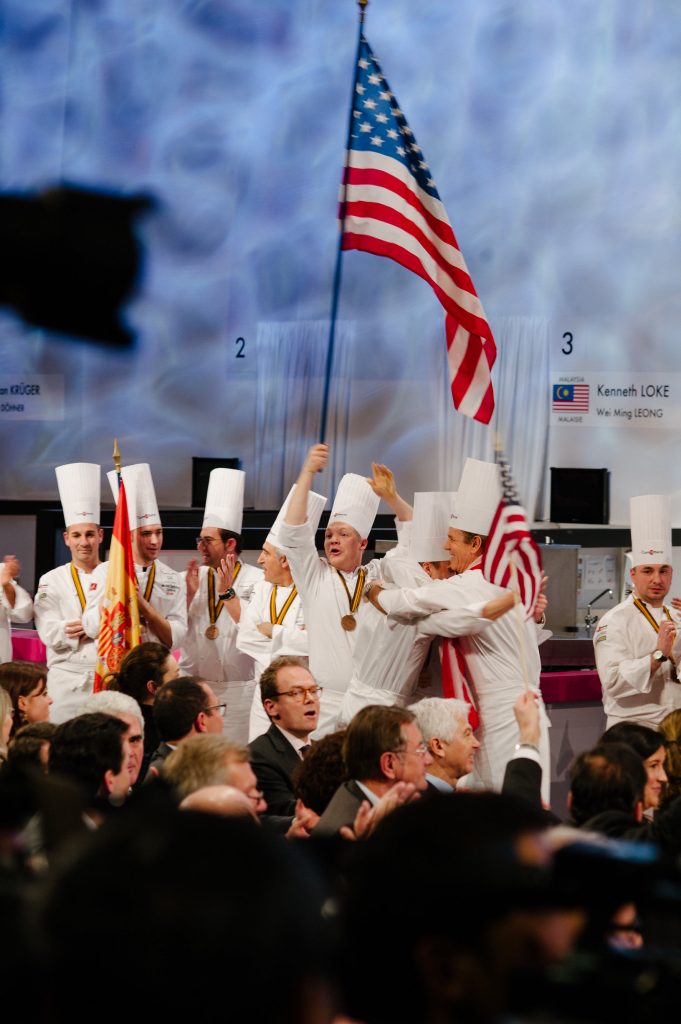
(120,705)
(212,760)
(452,746)
(450,739)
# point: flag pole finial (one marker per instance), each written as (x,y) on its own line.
(117,457)
(362,4)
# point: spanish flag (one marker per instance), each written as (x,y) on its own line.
(119,626)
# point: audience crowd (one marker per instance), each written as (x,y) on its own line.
(357,881)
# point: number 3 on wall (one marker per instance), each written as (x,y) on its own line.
(567,350)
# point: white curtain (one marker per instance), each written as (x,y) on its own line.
(521,382)
(291,362)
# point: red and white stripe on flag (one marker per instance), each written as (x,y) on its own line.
(454,682)
(388,214)
(511,558)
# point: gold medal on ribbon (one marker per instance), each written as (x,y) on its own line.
(214,606)
(349,622)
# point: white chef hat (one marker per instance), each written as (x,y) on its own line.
(477,498)
(225,499)
(315,507)
(355,504)
(651,529)
(79,486)
(430,524)
(139,493)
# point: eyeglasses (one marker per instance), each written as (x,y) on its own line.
(420,751)
(220,708)
(204,541)
(300,693)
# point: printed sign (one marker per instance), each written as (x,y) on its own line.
(616,399)
(33,396)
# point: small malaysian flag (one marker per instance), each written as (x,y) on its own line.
(511,558)
(570,397)
(392,208)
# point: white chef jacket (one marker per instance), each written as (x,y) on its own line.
(494,663)
(325,602)
(168,597)
(290,637)
(388,656)
(230,672)
(71,661)
(21,612)
(623,643)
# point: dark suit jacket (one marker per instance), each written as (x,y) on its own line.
(273,760)
(522,778)
(161,754)
(342,809)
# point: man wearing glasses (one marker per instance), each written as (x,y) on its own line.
(184,707)
(383,746)
(290,697)
(217,592)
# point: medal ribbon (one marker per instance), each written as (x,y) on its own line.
(275,619)
(359,588)
(649,618)
(150,582)
(79,586)
(213,608)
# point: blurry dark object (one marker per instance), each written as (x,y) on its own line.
(71,259)
(580,495)
(201,470)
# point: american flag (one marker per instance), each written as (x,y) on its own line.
(511,558)
(392,208)
(570,398)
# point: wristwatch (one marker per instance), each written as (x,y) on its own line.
(228,594)
(659,657)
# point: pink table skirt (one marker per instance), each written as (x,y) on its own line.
(27,646)
(580,685)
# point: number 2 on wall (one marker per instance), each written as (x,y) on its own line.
(241,342)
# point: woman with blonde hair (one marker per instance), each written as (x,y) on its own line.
(670,727)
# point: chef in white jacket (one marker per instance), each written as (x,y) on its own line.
(160,590)
(272,623)
(218,593)
(638,642)
(496,669)
(331,588)
(63,592)
(15,604)
(389,656)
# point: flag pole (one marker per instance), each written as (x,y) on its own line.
(362,4)
(117,460)
(515,588)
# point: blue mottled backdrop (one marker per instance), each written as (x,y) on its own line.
(553,131)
